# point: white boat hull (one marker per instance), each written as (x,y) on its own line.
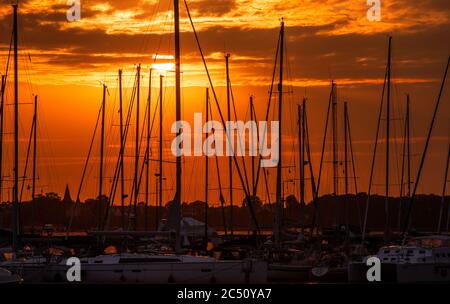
(222,272)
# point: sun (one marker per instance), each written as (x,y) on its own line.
(163,67)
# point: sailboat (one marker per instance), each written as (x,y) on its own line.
(143,268)
(420,259)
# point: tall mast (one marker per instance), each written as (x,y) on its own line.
(388,118)
(345,148)
(102,145)
(334,131)
(122,148)
(334,137)
(15,204)
(311,171)
(33,188)
(444,186)
(408,144)
(424,154)
(301,141)
(147,152)
(230,158)
(2,119)
(405,154)
(136,149)
(177,202)
(160,177)
(206,175)
(279,202)
(374,154)
(346,164)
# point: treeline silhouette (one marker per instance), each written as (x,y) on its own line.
(331,210)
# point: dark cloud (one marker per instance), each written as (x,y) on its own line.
(212,8)
(312,53)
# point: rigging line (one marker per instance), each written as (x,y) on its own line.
(308,152)
(110,133)
(402,178)
(352,155)
(316,196)
(27,159)
(127,126)
(9,57)
(265,175)
(77,201)
(133,190)
(444,188)
(26,66)
(267,189)
(396,132)
(240,143)
(141,140)
(47,149)
(165,143)
(115,183)
(422,161)
(264,171)
(288,68)
(135,92)
(221,198)
(374,157)
(154,115)
(353,167)
(268,107)
(222,118)
(149,28)
(257,142)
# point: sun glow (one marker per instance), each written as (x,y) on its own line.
(163,67)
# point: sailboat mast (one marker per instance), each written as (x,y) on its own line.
(33,187)
(206,175)
(424,153)
(405,155)
(147,151)
(444,186)
(136,148)
(408,144)
(346,164)
(230,158)
(301,141)
(122,147)
(15,203)
(102,146)
(2,119)
(388,118)
(311,171)
(279,202)
(177,202)
(160,176)
(334,136)
(345,148)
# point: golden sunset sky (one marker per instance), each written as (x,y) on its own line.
(65,64)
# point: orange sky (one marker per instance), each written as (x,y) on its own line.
(66,62)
